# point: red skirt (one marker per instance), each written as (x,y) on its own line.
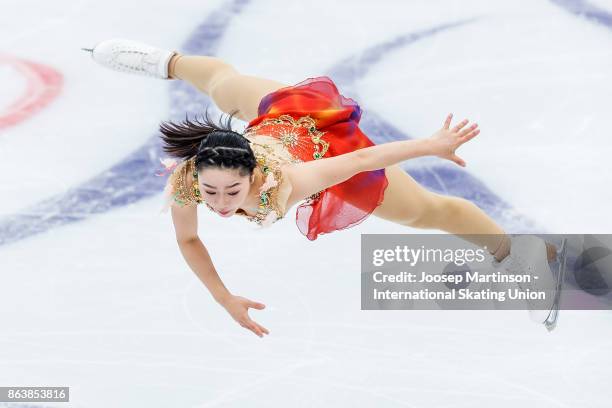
(315,121)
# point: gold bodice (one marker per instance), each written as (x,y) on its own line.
(182,187)
(299,136)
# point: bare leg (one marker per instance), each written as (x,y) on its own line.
(228,89)
(405,202)
(408,203)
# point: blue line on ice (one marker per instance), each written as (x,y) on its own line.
(585,9)
(133,179)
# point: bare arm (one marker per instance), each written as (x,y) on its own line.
(387,154)
(198,259)
(196,255)
(310,177)
(443,143)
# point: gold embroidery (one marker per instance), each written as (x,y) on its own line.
(320,145)
(184,194)
(268,162)
(289,138)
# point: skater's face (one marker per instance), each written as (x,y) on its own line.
(225,190)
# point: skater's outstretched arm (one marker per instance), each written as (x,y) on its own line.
(310,177)
(196,255)
(443,143)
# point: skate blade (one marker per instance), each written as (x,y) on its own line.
(551,321)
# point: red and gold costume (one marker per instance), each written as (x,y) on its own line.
(313,121)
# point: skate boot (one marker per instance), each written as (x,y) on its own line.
(528,256)
(133,57)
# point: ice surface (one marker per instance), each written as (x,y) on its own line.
(107,305)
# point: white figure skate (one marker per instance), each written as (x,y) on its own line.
(133,57)
(528,256)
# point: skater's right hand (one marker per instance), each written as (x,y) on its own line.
(238,308)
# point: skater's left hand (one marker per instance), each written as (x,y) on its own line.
(446,141)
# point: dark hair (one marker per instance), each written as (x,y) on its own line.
(213,145)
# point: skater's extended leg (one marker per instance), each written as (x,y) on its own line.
(229,89)
(406,202)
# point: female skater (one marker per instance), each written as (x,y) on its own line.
(303,144)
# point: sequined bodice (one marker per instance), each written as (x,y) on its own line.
(274,192)
(270,156)
(275,142)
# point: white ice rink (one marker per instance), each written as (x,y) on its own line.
(107,306)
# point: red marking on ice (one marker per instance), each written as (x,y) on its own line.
(43,84)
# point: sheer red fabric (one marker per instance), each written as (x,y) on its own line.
(336,119)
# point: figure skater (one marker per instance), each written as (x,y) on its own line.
(303,145)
